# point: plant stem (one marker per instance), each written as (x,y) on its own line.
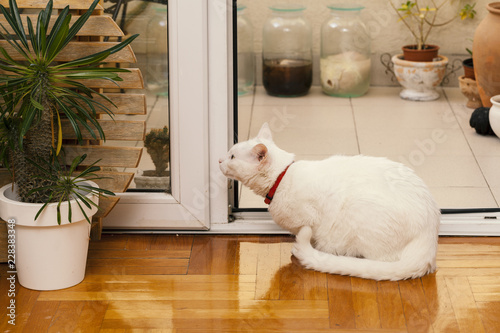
(38,147)
(403,20)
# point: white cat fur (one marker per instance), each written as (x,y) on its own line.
(367,217)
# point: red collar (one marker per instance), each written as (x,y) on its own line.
(270,195)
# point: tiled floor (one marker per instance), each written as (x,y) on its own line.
(434,138)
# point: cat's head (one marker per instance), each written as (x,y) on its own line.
(247,158)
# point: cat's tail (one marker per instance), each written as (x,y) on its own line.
(416,261)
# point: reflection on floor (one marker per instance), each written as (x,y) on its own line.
(434,138)
(208,284)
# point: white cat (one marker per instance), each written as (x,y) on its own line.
(367,217)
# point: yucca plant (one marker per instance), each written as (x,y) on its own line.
(38,91)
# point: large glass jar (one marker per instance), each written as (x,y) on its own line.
(345,62)
(246,57)
(287,52)
(156,76)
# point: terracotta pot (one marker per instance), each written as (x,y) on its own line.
(428,53)
(469,68)
(486,54)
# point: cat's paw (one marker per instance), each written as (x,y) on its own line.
(304,236)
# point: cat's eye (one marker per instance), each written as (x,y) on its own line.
(232,156)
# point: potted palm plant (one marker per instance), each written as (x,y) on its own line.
(420,69)
(157,143)
(468,84)
(50,205)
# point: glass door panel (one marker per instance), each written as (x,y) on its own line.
(434,138)
(168,189)
(149,19)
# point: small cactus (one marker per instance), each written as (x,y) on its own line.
(157,145)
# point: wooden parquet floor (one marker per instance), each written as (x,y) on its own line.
(198,284)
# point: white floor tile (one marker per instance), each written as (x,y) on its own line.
(303,141)
(434,138)
(483,145)
(496,193)
(315,98)
(415,115)
(414,144)
(293,116)
(389,96)
(447,171)
(464,197)
(490,166)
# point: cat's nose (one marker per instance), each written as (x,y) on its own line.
(220,160)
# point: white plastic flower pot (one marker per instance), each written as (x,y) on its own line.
(48,256)
(494,114)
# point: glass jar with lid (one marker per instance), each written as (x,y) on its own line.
(246,56)
(287,52)
(345,62)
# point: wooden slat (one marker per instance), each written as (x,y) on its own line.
(124,103)
(418,317)
(123,130)
(131,80)
(5,177)
(57,4)
(96,25)
(342,315)
(439,302)
(96,229)
(124,157)
(464,305)
(3,241)
(106,204)
(75,50)
(113,181)
(364,296)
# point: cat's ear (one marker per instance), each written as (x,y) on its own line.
(265,132)
(260,152)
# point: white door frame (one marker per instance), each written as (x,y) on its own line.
(188,207)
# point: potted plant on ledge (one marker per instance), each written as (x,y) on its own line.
(468,84)
(51,204)
(420,69)
(157,143)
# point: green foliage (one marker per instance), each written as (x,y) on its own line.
(69,184)
(421,19)
(157,137)
(38,77)
(37,91)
